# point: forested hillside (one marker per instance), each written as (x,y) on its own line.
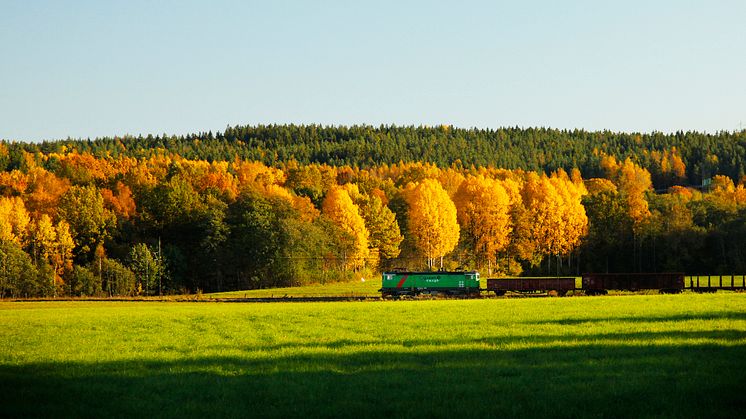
(536,149)
(251,208)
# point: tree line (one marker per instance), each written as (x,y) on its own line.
(532,149)
(78,223)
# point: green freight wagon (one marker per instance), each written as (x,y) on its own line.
(445,283)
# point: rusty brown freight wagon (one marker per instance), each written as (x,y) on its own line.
(558,285)
(666,282)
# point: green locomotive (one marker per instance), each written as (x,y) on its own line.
(399,283)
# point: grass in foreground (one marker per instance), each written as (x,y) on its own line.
(635,356)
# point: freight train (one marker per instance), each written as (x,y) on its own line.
(466,283)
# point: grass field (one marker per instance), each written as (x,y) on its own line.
(631,356)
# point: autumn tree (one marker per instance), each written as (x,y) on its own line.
(432,220)
(82,168)
(312,180)
(557,218)
(14,220)
(44,190)
(83,208)
(43,238)
(633,182)
(13,183)
(574,221)
(380,221)
(545,220)
(483,209)
(119,201)
(668,168)
(62,256)
(339,208)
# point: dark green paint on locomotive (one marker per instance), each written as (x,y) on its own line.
(412,283)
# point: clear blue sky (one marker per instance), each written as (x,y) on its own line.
(94,68)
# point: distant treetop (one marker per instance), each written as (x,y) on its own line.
(677,158)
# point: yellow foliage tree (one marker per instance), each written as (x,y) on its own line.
(544,206)
(52,243)
(599,185)
(14,220)
(451,180)
(13,183)
(483,210)
(633,181)
(557,217)
(62,258)
(574,221)
(683,193)
(432,220)
(726,194)
(338,206)
(43,237)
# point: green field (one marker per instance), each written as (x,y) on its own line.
(628,356)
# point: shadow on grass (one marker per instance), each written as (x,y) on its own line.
(645,319)
(725,336)
(600,379)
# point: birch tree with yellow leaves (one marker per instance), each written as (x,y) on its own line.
(543,206)
(52,244)
(339,208)
(574,221)
(633,182)
(558,218)
(483,211)
(432,222)
(14,220)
